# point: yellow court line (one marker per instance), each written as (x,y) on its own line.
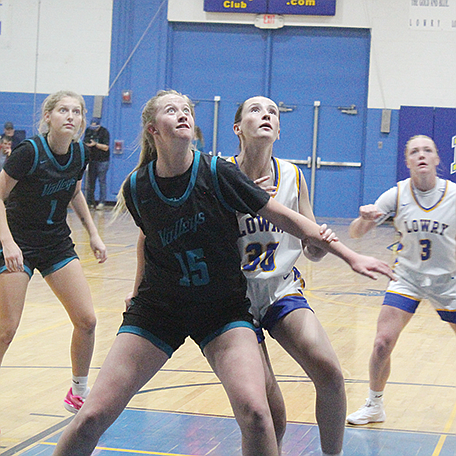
(42,330)
(447,428)
(127,451)
(107,244)
(91,259)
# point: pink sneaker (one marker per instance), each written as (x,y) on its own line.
(73,403)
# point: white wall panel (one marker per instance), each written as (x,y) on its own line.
(52,44)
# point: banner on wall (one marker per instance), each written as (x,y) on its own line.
(300,7)
(433,15)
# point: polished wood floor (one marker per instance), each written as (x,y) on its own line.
(35,376)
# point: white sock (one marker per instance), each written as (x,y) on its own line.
(336,454)
(375,396)
(79,386)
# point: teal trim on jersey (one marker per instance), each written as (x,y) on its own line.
(35,160)
(181,200)
(57,266)
(134,194)
(83,155)
(224,329)
(27,270)
(217,186)
(51,155)
(163,346)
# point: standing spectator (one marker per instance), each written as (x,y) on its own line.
(9,132)
(97,140)
(5,150)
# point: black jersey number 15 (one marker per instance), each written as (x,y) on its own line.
(194,268)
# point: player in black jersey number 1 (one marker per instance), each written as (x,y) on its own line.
(40,179)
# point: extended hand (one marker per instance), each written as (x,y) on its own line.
(261,182)
(369,212)
(367,265)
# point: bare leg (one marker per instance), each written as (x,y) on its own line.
(71,288)
(131,362)
(390,324)
(13,287)
(235,358)
(275,398)
(303,337)
(453,326)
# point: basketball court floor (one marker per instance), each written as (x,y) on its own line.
(183,410)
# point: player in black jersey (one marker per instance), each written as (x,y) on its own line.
(189,281)
(38,182)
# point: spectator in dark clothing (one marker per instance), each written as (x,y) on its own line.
(97,141)
(9,132)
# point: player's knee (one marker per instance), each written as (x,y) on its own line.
(87,324)
(329,377)
(7,333)
(256,419)
(90,424)
(383,346)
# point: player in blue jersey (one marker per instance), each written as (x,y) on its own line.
(189,281)
(40,179)
(424,210)
(274,285)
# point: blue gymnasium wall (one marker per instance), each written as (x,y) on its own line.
(142,35)
(439,124)
(380,159)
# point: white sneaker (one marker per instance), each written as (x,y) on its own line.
(370,412)
(100,206)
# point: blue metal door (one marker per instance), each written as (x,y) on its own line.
(324,73)
(295,67)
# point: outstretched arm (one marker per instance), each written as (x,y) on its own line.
(312,252)
(79,204)
(365,222)
(303,228)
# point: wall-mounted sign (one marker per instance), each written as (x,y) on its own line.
(302,7)
(236,6)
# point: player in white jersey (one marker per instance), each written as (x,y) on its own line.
(274,285)
(424,210)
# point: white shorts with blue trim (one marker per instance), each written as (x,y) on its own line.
(412,287)
(265,292)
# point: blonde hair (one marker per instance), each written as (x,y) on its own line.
(407,145)
(148,148)
(51,102)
